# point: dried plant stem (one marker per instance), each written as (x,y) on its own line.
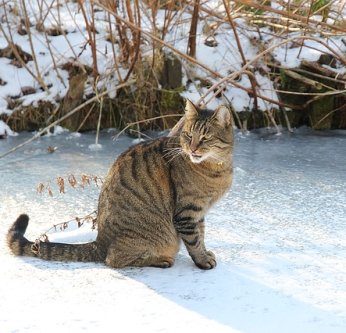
(85,118)
(91,217)
(241,52)
(272,119)
(288,124)
(99,121)
(91,34)
(136,33)
(191,45)
(328,114)
(305,31)
(322,94)
(27,26)
(113,48)
(49,7)
(234,113)
(170,14)
(143,121)
(287,14)
(48,43)
(123,40)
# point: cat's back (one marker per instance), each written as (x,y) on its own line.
(138,182)
(143,161)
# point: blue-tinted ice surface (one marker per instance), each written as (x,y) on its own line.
(279,235)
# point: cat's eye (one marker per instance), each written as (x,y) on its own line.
(206,137)
(188,135)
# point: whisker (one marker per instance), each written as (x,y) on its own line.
(174,153)
(175,156)
(171,152)
(168,151)
(173,144)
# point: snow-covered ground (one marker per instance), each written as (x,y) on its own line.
(279,236)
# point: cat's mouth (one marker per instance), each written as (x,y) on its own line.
(196,158)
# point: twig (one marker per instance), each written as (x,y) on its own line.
(305,31)
(328,114)
(326,93)
(289,15)
(305,80)
(288,124)
(272,119)
(143,121)
(99,121)
(27,26)
(191,44)
(64,225)
(85,118)
(252,78)
(113,48)
(91,34)
(136,35)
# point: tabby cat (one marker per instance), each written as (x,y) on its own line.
(155,194)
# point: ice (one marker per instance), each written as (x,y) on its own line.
(278,234)
(95,146)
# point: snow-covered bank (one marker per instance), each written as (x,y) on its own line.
(5,130)
(56,43)
(279,236)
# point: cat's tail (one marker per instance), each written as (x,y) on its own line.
(20,246)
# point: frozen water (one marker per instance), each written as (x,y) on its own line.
(279,236)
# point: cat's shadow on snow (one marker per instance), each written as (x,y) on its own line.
(226,294)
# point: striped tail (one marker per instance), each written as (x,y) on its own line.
(20,246)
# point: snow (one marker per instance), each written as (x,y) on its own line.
(5,130)
(291,55)
(278,234)
(52,52)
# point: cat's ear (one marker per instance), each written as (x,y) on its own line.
(223,116)
(190,110)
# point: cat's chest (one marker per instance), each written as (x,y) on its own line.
(204,188)
(215,188)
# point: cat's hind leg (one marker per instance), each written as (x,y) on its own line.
(134,254)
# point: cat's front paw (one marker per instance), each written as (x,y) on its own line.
(208,261)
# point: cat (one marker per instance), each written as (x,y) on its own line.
(155,195)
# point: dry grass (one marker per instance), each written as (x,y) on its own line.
(60,184)
(59,227)
(72,181)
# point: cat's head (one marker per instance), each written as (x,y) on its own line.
(207,135)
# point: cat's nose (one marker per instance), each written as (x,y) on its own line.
(193,147)
(194,151)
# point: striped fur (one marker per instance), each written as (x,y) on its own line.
(155,195)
